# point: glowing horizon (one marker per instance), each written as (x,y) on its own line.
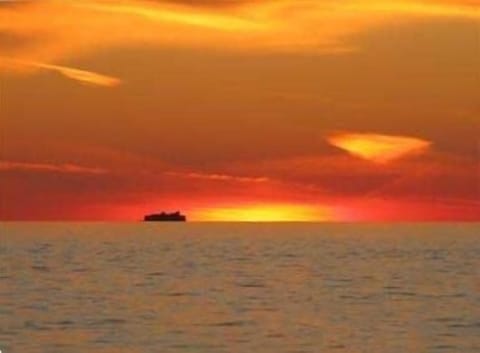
(263,213)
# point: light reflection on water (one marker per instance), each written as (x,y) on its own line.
(108,288)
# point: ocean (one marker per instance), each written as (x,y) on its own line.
(232,287)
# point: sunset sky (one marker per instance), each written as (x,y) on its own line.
(240,110)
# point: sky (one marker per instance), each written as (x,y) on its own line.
(240,110)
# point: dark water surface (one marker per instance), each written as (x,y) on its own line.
(273,288)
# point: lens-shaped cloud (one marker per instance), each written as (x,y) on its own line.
(378,148)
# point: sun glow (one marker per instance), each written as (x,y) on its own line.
(264,213)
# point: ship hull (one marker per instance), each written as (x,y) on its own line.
(164,218)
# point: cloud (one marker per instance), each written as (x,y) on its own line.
(338,186)
(218,177)
(432,176)
(54,31)
(50,168)
(438,176)
(82,76)
(378,148)
(181,16)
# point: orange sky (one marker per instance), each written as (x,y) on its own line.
(248,110)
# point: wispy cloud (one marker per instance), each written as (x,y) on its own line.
(82,76)
(56,31)
(218,177)
(50,168)
(181,16)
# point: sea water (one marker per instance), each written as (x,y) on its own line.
(273,288)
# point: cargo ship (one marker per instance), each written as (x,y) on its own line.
(165,217)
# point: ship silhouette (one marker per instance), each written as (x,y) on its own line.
(165,217)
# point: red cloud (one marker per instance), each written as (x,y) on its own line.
(53,168)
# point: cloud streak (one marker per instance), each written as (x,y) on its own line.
(66,168)
(218,177)
(81,76)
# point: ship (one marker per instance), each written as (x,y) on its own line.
(165,217)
